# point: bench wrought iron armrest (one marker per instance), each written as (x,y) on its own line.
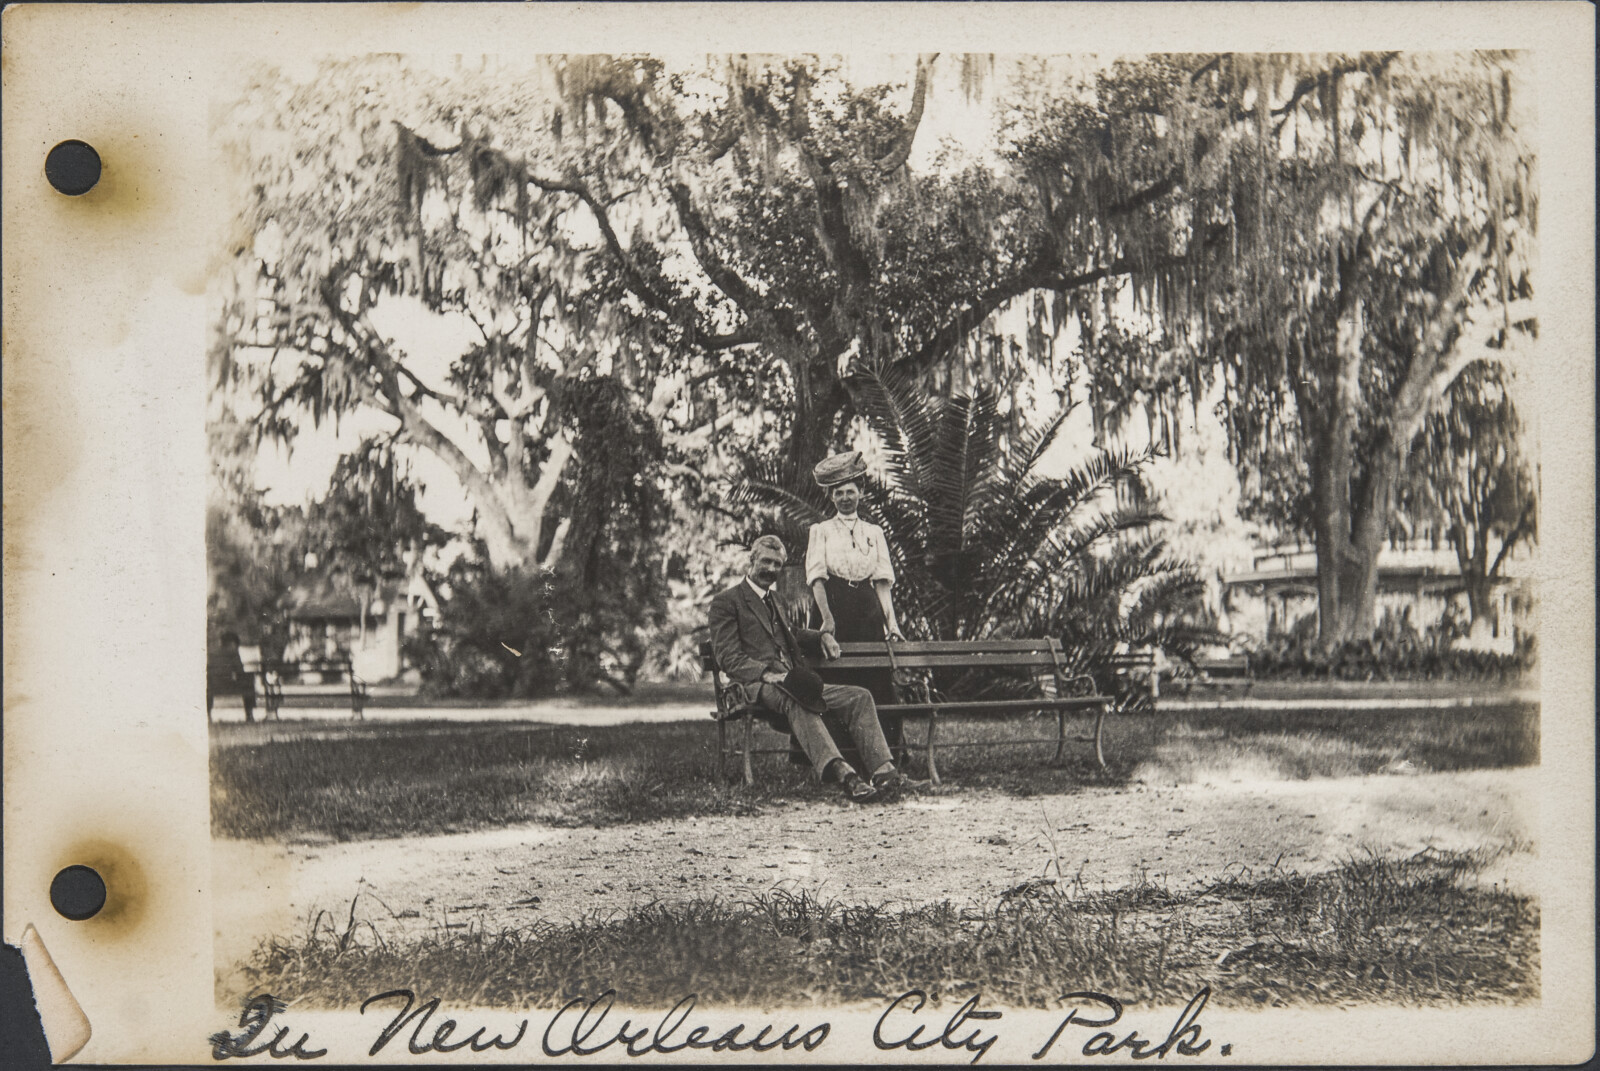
(729,704)
(1080,684)
(917,684)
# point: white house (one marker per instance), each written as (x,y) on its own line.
(329,621)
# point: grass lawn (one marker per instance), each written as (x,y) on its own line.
(355,781)
(1398,931)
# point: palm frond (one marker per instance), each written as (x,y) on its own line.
(902,417)
(795,511)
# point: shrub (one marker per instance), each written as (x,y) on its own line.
(498,637)
(1395,651)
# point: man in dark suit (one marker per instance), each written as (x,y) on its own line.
(760,652)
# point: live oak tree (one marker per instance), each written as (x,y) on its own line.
(719,241)
(1379,213)
(346,221)
(704,251)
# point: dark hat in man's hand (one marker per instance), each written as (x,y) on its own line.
(804,687)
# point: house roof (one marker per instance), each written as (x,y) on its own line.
(319,598)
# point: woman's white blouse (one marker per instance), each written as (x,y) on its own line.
(830,551)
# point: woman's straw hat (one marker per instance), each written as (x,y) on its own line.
(840,468)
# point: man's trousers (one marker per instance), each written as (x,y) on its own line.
(853,707)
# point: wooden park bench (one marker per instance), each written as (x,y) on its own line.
(1138,669)
(913,663)
(312,671)
(231,677)
(1230,672)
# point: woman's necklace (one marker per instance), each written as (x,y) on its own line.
(850,529)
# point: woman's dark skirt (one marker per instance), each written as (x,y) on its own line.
(858,618)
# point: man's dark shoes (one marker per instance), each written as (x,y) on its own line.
(893,780)
(858,790)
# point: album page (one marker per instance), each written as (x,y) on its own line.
(801,533)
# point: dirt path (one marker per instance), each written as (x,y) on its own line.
(966,847)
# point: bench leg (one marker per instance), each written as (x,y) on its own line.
(1099,745)
(722,749)
(933,729)
(1061,739)
(749,737)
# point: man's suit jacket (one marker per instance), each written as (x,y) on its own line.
(746,642)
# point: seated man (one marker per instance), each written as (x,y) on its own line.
(760,653)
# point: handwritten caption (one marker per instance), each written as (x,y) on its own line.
(588,1028)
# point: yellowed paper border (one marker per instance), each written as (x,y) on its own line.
(104,459)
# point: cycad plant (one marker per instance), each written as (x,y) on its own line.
(984,545)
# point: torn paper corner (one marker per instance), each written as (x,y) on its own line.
(66,1028)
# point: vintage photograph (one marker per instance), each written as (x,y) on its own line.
(797,530)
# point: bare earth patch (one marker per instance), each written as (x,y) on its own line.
(966,847)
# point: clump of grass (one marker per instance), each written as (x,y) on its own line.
(1409,930)
(393,780)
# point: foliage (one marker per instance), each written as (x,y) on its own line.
(1394,652)
(498,635)
(985,545)
(247,579)
(720,238)
(364,231)
(613,581)
(1364,228)
(250,557)
(1417,929)
(367,529)
(523,632)
(1475,479)
(1327,239)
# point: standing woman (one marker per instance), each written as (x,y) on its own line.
(848,570)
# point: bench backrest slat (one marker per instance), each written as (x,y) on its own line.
(945,661)
(915,647)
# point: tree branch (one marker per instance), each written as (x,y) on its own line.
(1039,275)
(414,425)
(1518,531)
(722,142)
(1371,67)
(900,151)
(634,277)
(767,321)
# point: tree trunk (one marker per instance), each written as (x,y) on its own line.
(819,396)
(1473,559)
(1349,521)
(1332,463)
(1349,526)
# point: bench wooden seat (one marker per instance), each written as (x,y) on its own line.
(275,674)
(912,663)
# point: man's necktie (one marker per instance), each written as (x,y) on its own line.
(778,627)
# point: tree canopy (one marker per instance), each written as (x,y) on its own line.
(1379,213)
(657,260)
